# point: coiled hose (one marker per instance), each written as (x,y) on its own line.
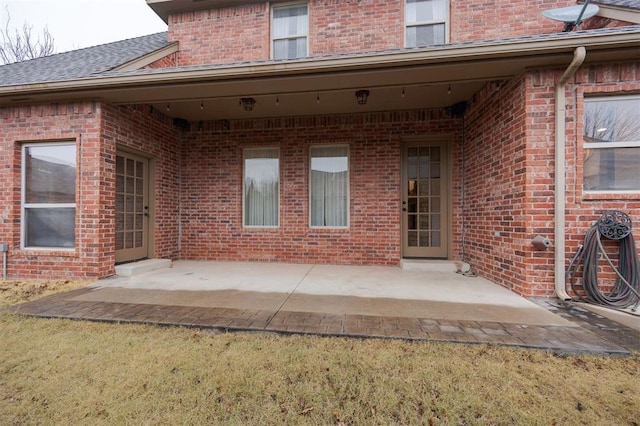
(614,225)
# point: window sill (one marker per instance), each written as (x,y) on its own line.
(626,195)
(48,252)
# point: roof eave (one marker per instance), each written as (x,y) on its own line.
(528,48)
(619,13)
(148,59)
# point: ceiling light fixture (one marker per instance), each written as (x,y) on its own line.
(362,96)
(201,104)
(247,103)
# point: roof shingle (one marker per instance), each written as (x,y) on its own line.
(627,4)
(81,63)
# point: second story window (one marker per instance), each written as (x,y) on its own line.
(289,31)
(426,22)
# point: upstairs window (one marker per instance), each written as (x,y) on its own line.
(426,22)
(612,144)
(261,187)
(49,195)
(289,31)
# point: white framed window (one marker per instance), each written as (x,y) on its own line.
(261,188)
(48,205)
(329,187)
(289,31)
(611,144)
(426,22)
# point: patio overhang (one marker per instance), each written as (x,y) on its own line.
(436,77)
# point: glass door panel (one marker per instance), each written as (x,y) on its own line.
(424,188)
(131,207)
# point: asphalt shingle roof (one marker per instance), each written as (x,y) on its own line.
(81,63)
(627,4)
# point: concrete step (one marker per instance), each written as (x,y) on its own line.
(142,266)
(434,265)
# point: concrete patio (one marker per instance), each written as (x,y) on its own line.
(423,302)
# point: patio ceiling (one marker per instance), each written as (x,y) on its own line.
(430,78)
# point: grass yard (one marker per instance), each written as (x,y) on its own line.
(72,372)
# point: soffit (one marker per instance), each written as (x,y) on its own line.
(164,8)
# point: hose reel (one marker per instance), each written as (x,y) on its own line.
(625,292)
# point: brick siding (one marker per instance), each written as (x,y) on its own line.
(212,187)
(509,183)
(78,122)
(241,33)
(96,129)
(171,60)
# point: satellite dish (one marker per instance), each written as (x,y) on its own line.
(573,15)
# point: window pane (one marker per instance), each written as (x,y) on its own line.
(50,227)
(329,197)
(290,48)
(261,187)
(425,10)
(612,120)
(613,169)
(612,144)
(50,174)
(290,29)
(289,21)
(425,35)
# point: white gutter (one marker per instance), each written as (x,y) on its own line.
(579,55)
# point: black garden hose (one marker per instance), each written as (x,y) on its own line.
(614,225)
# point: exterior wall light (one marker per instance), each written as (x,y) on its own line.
(247,103)
(361,96)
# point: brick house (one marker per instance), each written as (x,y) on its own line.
(326,131)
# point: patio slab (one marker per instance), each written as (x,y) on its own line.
(330,300)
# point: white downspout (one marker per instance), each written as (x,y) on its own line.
(560,182)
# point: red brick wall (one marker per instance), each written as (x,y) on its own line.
(242,33)
(480,20)
(509,175)
(96,129)
(584,209)
(212,187)
(494,216)
(152,135)
(79,122)
(230,34)
(168,61)
(346,26)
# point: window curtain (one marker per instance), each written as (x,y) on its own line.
(329,186)
(425,11)
(261,187)
(290,28)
